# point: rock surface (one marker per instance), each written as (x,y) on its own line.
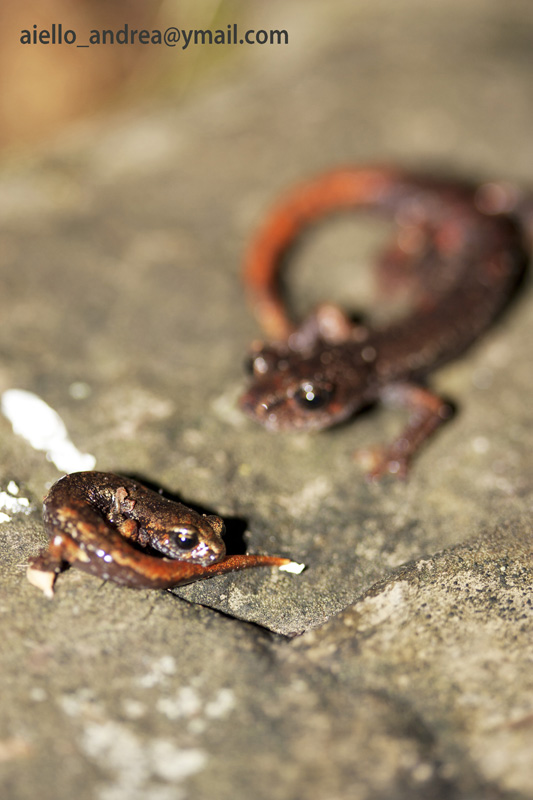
(122,309)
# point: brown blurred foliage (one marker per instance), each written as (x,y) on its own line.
(45,86)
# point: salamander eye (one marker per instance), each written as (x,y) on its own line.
(185,537)
(313,396)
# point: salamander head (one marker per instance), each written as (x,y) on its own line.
(195,538)
(292,391)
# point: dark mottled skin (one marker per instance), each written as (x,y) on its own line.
(466,264)
(100,523)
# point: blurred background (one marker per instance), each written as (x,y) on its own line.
(416,74)
(127,162)
(47,87)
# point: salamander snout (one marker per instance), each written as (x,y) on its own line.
(283,405)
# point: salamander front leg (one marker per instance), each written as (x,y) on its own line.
(427,412)
(44,568)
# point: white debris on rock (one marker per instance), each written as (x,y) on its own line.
(293,567)
(43,428)
(11,503)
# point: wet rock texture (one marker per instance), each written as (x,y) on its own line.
(398,665)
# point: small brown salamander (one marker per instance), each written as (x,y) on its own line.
(100,523)
(328,368)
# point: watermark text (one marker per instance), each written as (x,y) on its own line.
(57,34)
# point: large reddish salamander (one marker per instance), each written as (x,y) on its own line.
(324,370)
(107,525)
